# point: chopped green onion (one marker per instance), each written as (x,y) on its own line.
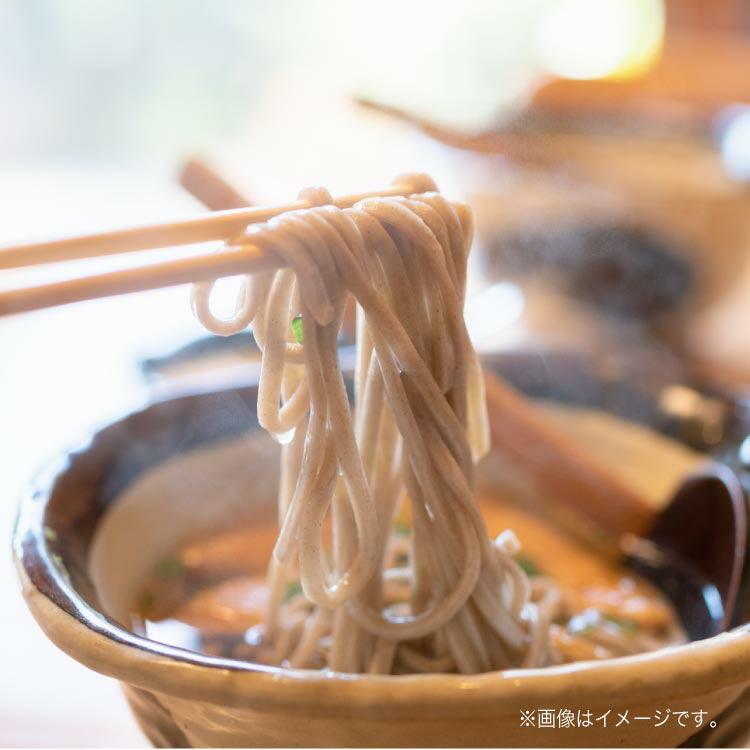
(50,534)
(402,529)
(592,618)
(297,329)
(528,566)
(627,626)
(292,590)
(402,560)
(169,567)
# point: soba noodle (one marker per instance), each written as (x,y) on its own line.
(444,597)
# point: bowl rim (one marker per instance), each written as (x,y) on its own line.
(104,645)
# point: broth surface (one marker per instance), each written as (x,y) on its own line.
(210,595)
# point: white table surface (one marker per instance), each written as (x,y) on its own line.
(63,372)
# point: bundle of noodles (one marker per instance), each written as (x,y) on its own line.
(349,592)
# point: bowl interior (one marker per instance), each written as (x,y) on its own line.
(104,515)
(232,482)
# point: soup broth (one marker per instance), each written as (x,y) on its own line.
(211,595)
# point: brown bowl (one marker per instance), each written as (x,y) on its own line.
(95,521)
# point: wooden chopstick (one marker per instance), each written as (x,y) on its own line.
(210,188)
(220,225)
(226,262)
(560,468)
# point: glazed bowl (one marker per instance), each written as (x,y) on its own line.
(96,520)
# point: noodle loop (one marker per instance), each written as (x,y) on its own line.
(442,598)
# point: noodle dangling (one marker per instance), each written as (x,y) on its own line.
(364,596)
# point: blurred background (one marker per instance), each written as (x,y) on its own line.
(604,146)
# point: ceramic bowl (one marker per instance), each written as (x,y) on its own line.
(96,520)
